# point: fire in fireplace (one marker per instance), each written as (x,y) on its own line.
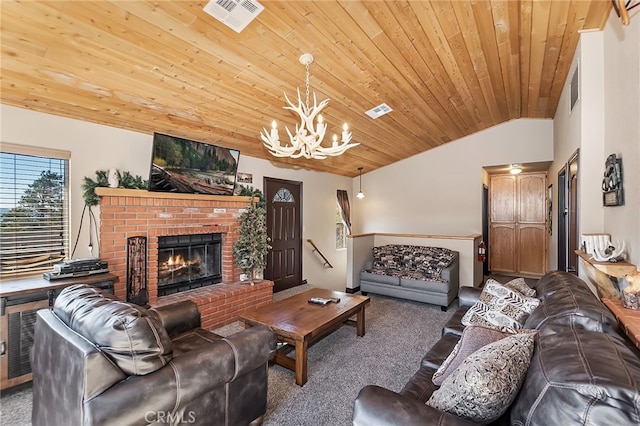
(186,262)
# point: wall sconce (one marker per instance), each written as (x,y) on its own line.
(515,169)
(360,194)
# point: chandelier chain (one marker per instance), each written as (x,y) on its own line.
(307,89)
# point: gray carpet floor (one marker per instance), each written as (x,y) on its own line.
(398,334)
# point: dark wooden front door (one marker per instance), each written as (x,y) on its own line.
(284,227)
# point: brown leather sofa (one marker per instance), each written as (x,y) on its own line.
(583,370)
(100,361)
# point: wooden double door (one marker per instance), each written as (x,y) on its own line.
(518,224)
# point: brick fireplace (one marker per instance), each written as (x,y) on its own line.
(134,213)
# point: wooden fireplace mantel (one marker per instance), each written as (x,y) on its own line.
(143,193)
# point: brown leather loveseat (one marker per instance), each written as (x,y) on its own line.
(100,361)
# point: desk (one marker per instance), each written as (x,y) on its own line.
(629,319)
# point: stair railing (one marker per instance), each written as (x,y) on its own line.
(317,250)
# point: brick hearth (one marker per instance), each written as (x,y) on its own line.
(134,213)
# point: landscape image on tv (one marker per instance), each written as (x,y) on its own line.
(185,166)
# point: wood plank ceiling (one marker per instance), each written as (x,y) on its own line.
(447,68)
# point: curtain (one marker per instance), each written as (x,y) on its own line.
(345,210)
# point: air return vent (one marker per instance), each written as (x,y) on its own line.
(379,111)
(235,14)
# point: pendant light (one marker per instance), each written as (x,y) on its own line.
(360,194)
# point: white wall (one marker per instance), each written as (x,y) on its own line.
(581,129)
(605,121)
(92,146)
(622,126)
(439,192)
(97,147)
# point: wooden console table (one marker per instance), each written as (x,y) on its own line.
(629,319)
(602,273)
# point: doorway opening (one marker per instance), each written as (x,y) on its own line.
(568,199)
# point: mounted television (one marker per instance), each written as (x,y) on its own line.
(190,167)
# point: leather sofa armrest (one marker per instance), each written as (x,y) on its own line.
(184,379)
(252,347)
(178,317)
(377,406)
(468,296)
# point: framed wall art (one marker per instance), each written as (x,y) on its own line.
(612,191)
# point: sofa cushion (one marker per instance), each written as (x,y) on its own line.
(454,324)
(580,377)
(500,307)
(440,351)
(134,339)
(386,257)
(420,386)
(473,338)
(520,285)
(432,260)
(381,276)
(418,281)
(567,300)
(484,385)
(427,262)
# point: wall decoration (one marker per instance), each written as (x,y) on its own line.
(575,88)
(612,192)
(244,178)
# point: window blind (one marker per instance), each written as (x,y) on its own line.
(34,213)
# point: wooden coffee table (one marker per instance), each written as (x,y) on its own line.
(299,323)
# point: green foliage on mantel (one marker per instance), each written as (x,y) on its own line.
(127,181)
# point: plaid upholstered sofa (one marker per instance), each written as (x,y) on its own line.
(420,273)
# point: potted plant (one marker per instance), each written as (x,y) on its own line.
(251,249)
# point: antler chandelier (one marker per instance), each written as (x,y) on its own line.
(306,140)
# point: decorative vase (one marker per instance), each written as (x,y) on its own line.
(256,275)
(631,300)
(631,295)
(113,177)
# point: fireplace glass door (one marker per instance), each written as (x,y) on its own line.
(186,262)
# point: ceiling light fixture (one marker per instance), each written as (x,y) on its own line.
(360,194)
(515,169)
(306,140)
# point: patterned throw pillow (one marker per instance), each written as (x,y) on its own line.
(486,383)
(473,338)
(520,285)
(500,307)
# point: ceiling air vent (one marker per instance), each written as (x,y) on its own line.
(379,111)
(235,14)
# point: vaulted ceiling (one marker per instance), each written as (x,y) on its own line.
(446,68)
